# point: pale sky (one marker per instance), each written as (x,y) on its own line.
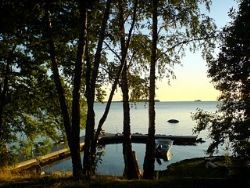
(191,81)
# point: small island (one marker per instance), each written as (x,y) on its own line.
(173,121)
(198,100)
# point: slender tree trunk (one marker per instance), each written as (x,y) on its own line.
(90,119)
(76,161)
(131,169)
(4,89)
(116,80)
(149,159)
(91,77)
(3,102)
(3,93)
(76,88)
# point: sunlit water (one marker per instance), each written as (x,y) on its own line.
(111,162)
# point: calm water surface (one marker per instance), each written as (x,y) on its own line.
(111,162)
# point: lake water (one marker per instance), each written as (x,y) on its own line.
(111,162)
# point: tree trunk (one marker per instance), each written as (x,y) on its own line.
(131,167)
(149,159)
(76,161)
(105,114)
(131,170)
(3,93)
(76,89)
(91,77)
(90,122)
(3,102)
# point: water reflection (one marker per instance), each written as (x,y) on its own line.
(109,160)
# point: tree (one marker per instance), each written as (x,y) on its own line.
(54,33)
(175,26)
(92,70)
(72,126)
(230,71)
(149,159)
(28,107)
(131,169)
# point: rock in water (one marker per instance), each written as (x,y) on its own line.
(173,121)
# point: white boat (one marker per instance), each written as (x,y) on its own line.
(163,147)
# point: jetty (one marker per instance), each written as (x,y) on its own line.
(59,152)
(38,162)
(109,138)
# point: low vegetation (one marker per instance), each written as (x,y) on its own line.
(225,172)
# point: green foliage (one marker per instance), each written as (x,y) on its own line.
(29,108)
(230,73)
(138,87)
(100,94)
(42,148)
(181,25)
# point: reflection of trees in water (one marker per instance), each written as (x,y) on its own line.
(28,149)
(24,149)
(100,151)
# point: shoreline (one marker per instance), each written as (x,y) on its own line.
(189,172)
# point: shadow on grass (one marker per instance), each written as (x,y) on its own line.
(187,173)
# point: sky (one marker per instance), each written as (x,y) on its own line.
(191,81)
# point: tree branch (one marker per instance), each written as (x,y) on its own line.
(184,42)
(105,114)
(113,51)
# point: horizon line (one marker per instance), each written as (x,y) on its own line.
(157,100)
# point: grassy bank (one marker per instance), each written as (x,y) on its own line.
(188,173)
(106,181)
(117,182)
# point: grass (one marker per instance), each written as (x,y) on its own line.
(7,175)
(188,173)
(106,181)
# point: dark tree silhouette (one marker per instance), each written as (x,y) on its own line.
(230,72)
(149,159)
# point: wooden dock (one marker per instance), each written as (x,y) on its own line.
(107,138)
(40,161)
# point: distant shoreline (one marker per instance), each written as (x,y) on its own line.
(155,101)
(198,100)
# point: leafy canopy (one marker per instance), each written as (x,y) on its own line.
(230,72)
